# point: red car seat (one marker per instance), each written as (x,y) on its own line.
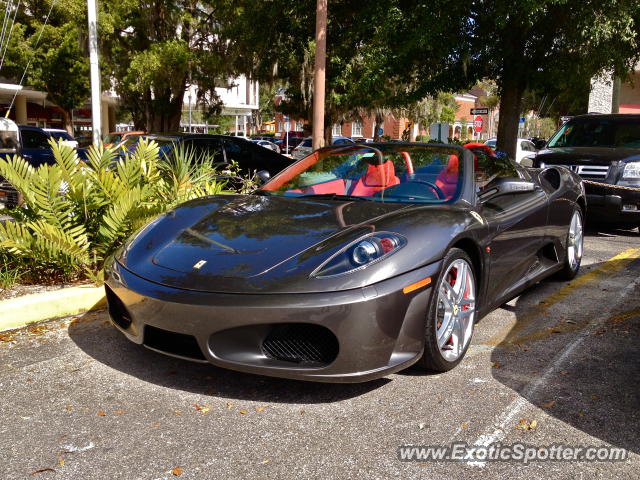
(447,180)
(376,178)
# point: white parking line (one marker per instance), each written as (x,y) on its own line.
(513,410)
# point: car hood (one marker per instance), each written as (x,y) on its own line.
(248,243)
(586,155)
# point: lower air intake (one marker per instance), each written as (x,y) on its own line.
(301,343)
(173,343)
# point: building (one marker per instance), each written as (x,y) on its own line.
(393,127)
(31,107)
(239,100)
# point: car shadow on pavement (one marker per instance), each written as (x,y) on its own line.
(100,340)
(578,360)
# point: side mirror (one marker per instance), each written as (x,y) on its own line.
(506,186)
(264,176)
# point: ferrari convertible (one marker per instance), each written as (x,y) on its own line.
(352,263)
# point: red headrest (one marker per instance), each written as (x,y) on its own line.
(380,175)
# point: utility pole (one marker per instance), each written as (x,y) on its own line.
(319,74)
(96,117)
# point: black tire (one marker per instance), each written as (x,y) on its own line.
(432,358)
(570,269)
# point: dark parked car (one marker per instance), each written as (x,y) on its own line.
(32,143)
(355,262)
(223,149)
(605,151)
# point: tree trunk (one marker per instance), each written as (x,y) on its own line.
(379,123)
(66,121)
(510,109)
(328,135)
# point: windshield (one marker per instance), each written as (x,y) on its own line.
(598,132)
(382,173)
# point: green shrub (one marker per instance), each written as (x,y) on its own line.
(422,138)
(10,272)
(76,214)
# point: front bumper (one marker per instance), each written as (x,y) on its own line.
(377,329)
(612,204)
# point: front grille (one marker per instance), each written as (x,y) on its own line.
(117,311)
(173,343)
(590,172)
(301,343)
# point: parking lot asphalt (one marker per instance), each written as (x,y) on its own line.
(559,364)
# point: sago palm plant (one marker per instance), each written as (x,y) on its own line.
(76,213)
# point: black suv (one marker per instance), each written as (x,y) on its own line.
(605,151)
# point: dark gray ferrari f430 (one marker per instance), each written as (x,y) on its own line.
(352,263)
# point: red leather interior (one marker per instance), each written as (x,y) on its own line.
(334,186)
(376,178)
(448,178)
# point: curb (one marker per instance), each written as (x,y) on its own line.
(20,311)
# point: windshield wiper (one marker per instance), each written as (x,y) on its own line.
(335,196)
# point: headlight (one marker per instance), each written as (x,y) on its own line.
(630,175)
(631,170)
(360,254)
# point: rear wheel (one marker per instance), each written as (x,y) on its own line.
(575,237)
(451,314)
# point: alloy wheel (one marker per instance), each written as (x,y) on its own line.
(574,244)
(455,312)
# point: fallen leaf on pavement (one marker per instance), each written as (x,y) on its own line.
(177,471)
(265,461)
(119,412)
(68,408)
(260,409)
(301,412)
(495,365)
(178,412)
(525,424)
(61,462)
(243,412)
(229,404)
(549,404)
(101,413)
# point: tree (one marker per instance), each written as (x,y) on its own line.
(359,79)
(537,45)
(441,107)
(54,52)
(155,50)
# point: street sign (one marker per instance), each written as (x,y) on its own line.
(380,131)
(522,120)
(479,111)
(478,123)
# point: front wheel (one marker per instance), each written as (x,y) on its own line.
(575,239)
(451,313)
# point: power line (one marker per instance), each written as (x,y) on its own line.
(5,20)
(6,46)
(46,20)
